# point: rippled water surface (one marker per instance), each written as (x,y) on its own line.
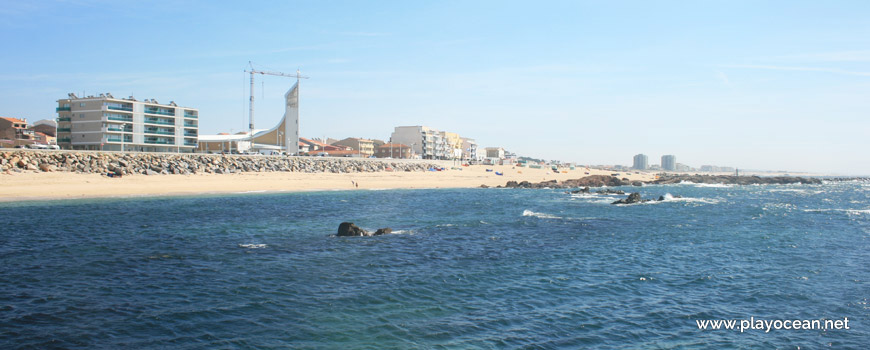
(473,268)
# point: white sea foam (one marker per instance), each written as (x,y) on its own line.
(848,211)
(539,215)
(670,198)
(714,185)
(253,246)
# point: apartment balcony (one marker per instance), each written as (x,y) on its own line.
(120,119)
(190,125)
(64,119)
(160,112)
(64,129)
(190,115)
(190,134)
(117,129)
(159,132)
(62,109)
(159,141)
(120,108)
(118,139)
(158,121)
(188,142)
(64,139)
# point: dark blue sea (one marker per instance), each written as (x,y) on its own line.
(464,269)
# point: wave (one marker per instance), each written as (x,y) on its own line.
(539,215)
(253,246)
(848,211)
(714,185)
(670,198)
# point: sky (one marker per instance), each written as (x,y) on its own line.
(775,85)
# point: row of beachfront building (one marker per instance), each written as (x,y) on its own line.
(104,122)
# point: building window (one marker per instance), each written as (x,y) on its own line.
(81,104)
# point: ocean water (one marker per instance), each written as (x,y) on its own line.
(466,268)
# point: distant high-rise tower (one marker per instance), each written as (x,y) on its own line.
(669,162)
(641,162)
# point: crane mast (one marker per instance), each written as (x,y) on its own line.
(253,71)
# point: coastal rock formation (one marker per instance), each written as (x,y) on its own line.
(589,181)
(348,229)
(633,198)
(185,164)
(609,191)
(735,180)
(610,181)
(582,190)
(383,231)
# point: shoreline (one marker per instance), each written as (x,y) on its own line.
(42,186)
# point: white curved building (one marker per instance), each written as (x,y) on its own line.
(283,137)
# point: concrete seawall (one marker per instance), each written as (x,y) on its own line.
(172,163)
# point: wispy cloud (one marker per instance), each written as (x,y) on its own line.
(798,69)
(837,56)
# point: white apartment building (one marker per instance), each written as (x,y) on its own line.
(469,149)
(425,142)
(124,124)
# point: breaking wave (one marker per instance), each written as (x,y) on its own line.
(539,215)
(253,246)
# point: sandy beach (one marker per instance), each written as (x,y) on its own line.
(61,185)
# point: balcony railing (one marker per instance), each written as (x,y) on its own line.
(64,119)
(189,143)
(158,121)
(120,129)
(190,125)
(120,119)
(61,109)
(63,139)
(64,129)
(189,115)
(159,132)
(160,142)
(157,111)
(190,134)
(120,108)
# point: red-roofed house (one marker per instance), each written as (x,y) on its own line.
(15,129)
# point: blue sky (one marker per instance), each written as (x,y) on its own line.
(778,85)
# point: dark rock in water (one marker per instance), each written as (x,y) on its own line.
(735,180)
(582,190)
(661,198)
(484,186)
(589,181)
(348,229)
(632,198)
(609,191)
(637,183)
(383,231)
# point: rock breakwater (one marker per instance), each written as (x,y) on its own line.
(161,163)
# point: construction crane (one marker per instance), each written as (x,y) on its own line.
(279,74)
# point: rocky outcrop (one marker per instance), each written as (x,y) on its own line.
(611,181)
(184,164)
(609,191)
(633,198)
(735,180)
(589,181)
(348,229)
